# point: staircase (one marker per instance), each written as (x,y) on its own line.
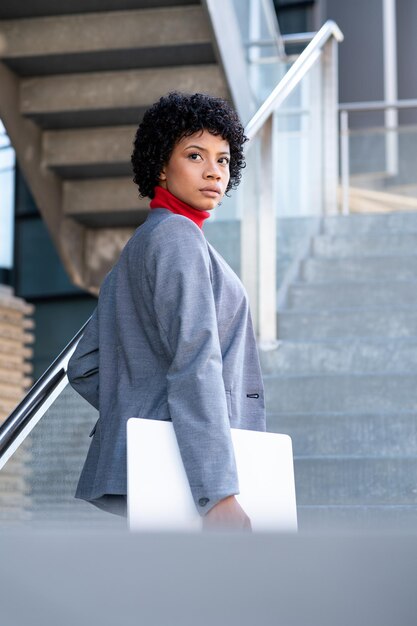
(75,79)
(343,381)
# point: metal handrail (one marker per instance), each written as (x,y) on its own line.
(294,75)
(291,38)
(378,105)
(20,418)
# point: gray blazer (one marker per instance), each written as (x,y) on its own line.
(171,339)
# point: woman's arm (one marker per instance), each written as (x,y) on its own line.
(82,369)
(178,270)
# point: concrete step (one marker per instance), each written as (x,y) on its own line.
(386,245)
(347,324)
(54,492)
(153,37)
(44,499)
(357,518)
(13,500)
(14,515)
(89,153)
(341,393)
(349,434)
(9,9)
(356,481)
(401,268)
(104,202)
(370,224)
(358,295)
(58,460)
(110,98)
(383,356)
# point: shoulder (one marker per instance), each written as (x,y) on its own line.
(162,225)
(175,235)
(169,225)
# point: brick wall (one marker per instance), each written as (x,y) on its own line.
(16,335)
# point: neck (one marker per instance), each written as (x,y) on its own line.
(166,200)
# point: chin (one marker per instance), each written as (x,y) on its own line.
(204,208)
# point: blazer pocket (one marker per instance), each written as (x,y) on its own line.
(254,403)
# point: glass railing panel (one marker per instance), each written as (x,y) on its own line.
(261,39)
(298,157)
(299,149)
(381,169)
(300,162)
(38,483)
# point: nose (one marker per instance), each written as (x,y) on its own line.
(212,170)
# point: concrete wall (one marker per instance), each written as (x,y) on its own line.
(407,53)
(361,54)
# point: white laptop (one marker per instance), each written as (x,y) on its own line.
(159,496)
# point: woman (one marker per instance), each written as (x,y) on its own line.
(172,336)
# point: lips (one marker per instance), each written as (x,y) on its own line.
(212,189)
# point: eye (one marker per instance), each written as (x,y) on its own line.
(224,160)
(195,156)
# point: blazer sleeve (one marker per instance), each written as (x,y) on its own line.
(178,270)
(83,366)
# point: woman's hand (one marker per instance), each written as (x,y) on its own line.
(227,514)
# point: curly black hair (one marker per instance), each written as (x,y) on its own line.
(178,115)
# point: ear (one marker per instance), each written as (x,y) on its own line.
(162,175)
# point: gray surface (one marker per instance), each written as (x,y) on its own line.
(57,577)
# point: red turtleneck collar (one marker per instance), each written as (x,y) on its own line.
(164,199)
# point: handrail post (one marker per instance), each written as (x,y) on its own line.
(344,160)
(330,126)
(267,284)
(390,86)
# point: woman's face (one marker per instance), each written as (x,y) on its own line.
(198,170)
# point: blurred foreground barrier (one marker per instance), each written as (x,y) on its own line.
(50,577)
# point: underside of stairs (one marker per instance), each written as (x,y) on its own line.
(75,79)
(343,381)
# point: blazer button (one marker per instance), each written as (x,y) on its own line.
(203,501)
